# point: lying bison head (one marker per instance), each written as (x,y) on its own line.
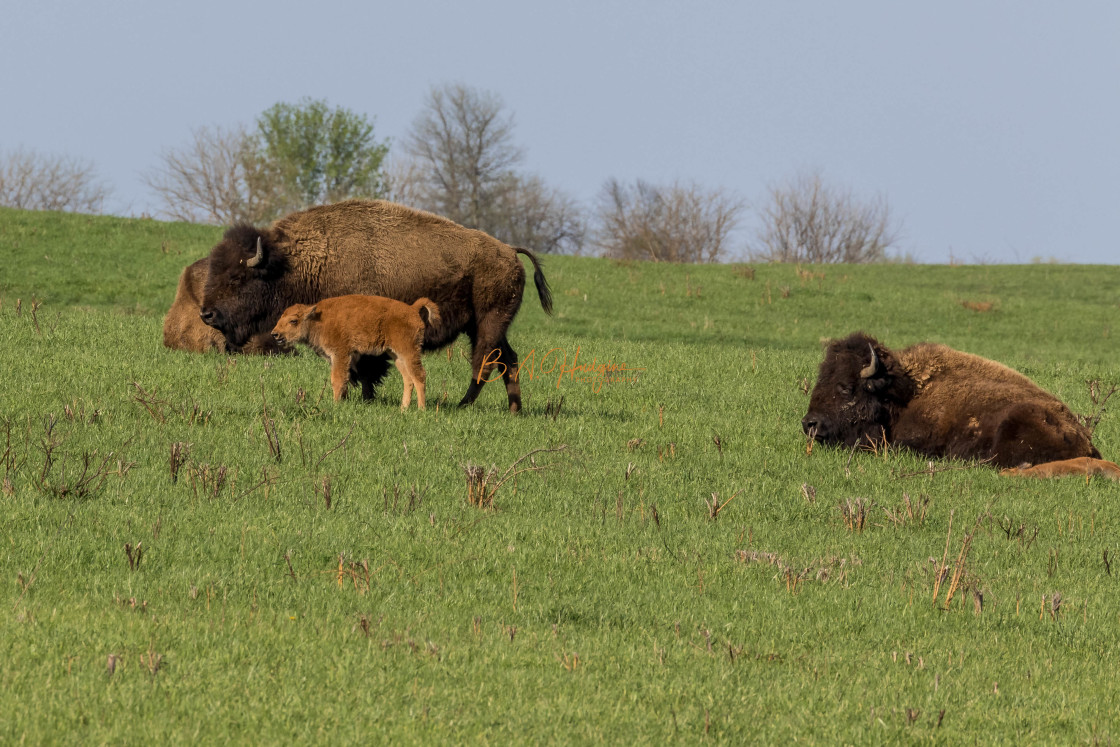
(241,297)
(860,388)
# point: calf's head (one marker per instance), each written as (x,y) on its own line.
(242,293)
(860,388)
(294,325)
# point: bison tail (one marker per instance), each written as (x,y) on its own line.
(543,291)
(429,312)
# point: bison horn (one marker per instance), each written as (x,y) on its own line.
(256,260)
(871,368)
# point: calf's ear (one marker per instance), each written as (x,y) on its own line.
(312,314)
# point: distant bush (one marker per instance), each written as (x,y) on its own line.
(39,181)
(675,223)
(809,221)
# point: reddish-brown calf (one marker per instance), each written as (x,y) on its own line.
(344,327)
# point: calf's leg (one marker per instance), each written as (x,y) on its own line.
(340,374)
(1065,467)
(406,377)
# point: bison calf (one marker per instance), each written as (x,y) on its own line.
(345,327)
(941,402)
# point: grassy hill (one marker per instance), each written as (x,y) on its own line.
(253,562)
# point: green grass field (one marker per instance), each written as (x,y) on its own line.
(207,548)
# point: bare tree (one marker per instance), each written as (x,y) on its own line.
(677,223)
(463,145)
(404,181)
(300,155)
(809,221)
(212,179)
(529,213)
(38,181)
(461,163)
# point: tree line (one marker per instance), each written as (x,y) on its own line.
(460,159)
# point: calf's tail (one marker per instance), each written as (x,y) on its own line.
(543,291)
(429,312)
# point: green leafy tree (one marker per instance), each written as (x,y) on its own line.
(307,153)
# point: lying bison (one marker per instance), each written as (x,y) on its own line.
(941,402)
(184,330)
(380,249)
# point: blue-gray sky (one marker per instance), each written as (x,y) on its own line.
(992,128)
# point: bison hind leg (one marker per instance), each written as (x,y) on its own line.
(1079,466)
(1026,433)
(490,350)
(369,371)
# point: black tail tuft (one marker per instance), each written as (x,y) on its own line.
(543,291)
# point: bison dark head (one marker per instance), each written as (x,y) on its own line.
(859,390)
(242,294)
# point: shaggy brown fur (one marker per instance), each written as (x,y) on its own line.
(342,328)
(375,248)
(941,402)
(183,330)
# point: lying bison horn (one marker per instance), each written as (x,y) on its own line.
(871,368)
(256,260)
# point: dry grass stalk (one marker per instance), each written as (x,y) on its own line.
(269,426)
(571,663)
(808,492)
(957,574)
(909,511)
(152,661)
(959,569)
(855,513)
(323,488)
(552,410)
(714,506)
(1091,421)
(357,572)
(337,446)
(133,554)
(483,484)
(180,452)
(940,570)
(209,479)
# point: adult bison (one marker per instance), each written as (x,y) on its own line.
(941,402)
(184,330)
(382,249)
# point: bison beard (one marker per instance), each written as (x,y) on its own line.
(941,402)
(382,249)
